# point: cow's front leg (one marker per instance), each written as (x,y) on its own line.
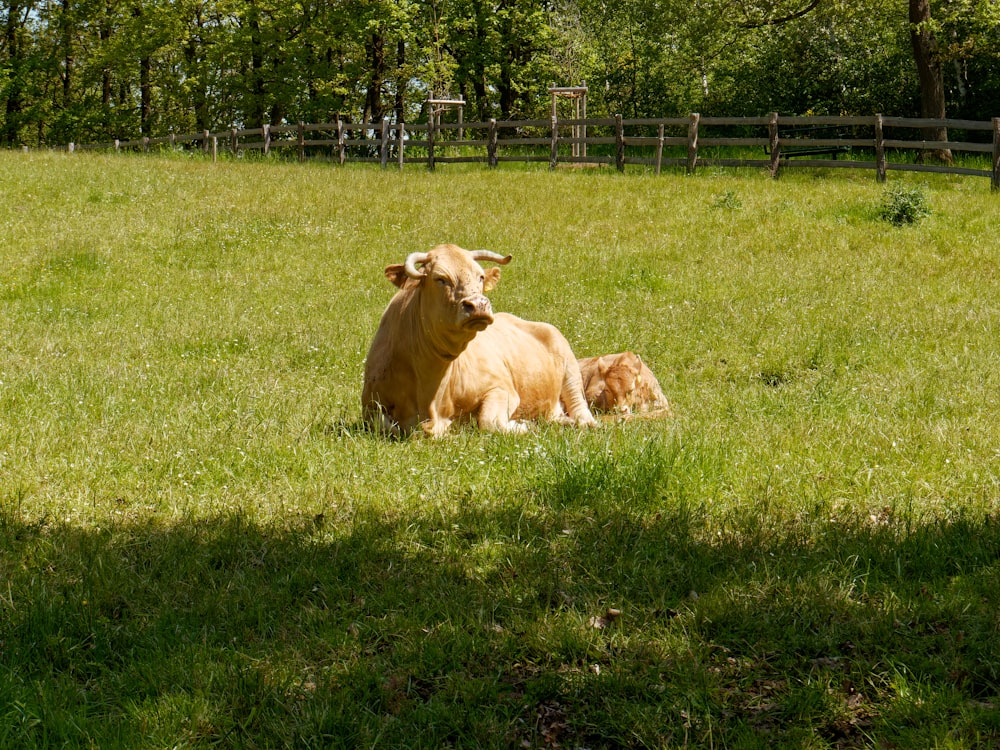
(496,410)
(435,428)
(435,425)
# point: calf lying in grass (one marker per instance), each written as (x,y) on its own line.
(622,383)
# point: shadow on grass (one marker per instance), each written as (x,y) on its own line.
(488,627)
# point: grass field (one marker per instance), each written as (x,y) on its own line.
(199,546)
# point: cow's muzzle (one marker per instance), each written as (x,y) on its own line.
(477,312)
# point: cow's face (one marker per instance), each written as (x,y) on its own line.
(452,285)
(621,377)
(458,285)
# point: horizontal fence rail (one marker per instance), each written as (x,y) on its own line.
(689,142)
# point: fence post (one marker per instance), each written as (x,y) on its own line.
(773,143)
(145,144)
(693,142)
(384,144)
(659,148)
(399,144)
(70,147)
(341,146)
(995,181)
(619,144)
(234,141)
(215,148)
(554,151)
(173,140)
(206,144)
(880,165)
(266,133)
(302,141)
(491,144)
(430,142)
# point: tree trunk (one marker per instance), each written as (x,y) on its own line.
(104,33)
(401,84)
(145,81)
(105,36)
(508,59)
(931,77)
(508,96)
(68,60)
(279,111)
(376,61)
(258,107)
(145,94)
(479,62)
(14,103)
(195,69)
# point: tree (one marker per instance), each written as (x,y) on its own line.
(471,37)
(927,57)
(86,69)
(968,34)
(13,68)
(829,62)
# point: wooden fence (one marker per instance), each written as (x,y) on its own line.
(687,142)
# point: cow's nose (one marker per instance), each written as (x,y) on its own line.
(477,306)
(477,312)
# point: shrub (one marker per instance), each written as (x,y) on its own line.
(903,205)
(728,200)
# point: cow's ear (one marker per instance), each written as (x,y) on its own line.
(492,278)
(396,273)
(633,362)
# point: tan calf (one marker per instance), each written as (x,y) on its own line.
(621,383)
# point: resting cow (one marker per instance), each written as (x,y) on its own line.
(621,383)
(440,354)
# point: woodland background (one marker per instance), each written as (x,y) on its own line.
(84,70)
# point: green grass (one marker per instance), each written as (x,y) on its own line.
(199,547)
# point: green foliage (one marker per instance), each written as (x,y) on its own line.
(94,71)
(829,62)
(903,205)
(200,546)
(729,200)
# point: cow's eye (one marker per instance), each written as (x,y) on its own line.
(442,281)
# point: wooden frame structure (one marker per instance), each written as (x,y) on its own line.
(437,107)
(578,95)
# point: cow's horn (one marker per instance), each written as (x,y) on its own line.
(411,264)
(503,260)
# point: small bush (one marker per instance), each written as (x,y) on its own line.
(903,205)
(728,200)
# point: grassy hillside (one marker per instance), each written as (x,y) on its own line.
(199,547)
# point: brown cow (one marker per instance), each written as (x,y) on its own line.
(440,354)
(621,383)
